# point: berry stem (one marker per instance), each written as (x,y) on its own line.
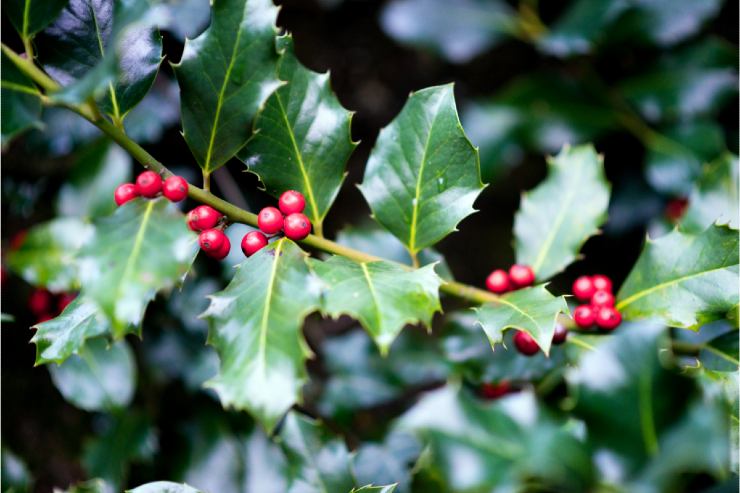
(232,212)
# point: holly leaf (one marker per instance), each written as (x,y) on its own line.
(256,329)
(508,441)
(91,486)
(317,462)
(61,337)
(144,247)
(21,104)
(31,16)
(549,234)
(99,169)
(533,310)
(107,49)
(458,30)
(47,255)
(375,489)
(685,280)
(164,487)
(721,353)
(99,377)
(714,197)
(225,76)
(382,296)
(423,174)
(374,240)
(302,137)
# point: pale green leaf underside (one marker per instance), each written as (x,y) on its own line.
(533,310)
(375,489)
(256,329)
(61,337)
(46,256)
(383,296)
(142,248)
(302,137)
(685,280)
(558,216)
(225,75)
(423,174)
(164,487)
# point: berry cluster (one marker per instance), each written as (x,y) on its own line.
(212,239)
(149,184)
(519,276)
(45,305)
(599,309)
(526,344)
(288,218)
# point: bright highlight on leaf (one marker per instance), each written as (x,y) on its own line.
(558,216)
(684,280)
(533,310)
(383,296)
(423,174)
(225,76)
(302,137)
(256,329)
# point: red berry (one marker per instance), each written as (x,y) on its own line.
(124,193)
(212,240)
(203,217)
(495,390)
(39,302)
(560,335)
(149,184)
(291,202)
(607,317)
(17,241)
(297,226)
(270,220)
(676,208)
(223,252)
(253,242)
(602,298)
(525,344)
(584,316)
(602,283)
(583,288)
(64,300)
(44,317)
(175,188)
(498,281)
(521,275)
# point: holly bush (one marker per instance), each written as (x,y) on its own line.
(540,343)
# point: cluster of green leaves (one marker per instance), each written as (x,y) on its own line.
(245,95)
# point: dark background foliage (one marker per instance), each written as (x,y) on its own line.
(372,74)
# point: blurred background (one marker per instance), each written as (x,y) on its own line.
(652,83)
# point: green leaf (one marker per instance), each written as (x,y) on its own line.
(99,169)
(502,443)
(302,137)
(126,438)
(533,310)
(550,233)
(158,112)
(721,353)
(673,164)
(46,256)
(370,238)
(144,247)
(714,197)
(14,473)
(21,105)
(375,489)
(256,329)
(164,487)
(458,30)
(317,462)
(423,174)
(91,486)
(107,49)
(225,76)
(685,280)
(538,113)
(63,336)
(31,16)
(694,81)
(98,377)
(384,297)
